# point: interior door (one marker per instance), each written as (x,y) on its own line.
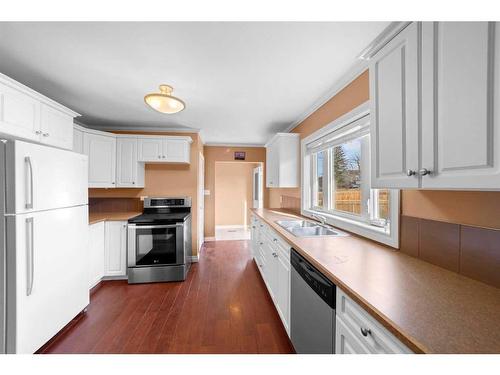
(394,111)
(101,151)
(257,188)
(51,268)
(460,122)
(45,178)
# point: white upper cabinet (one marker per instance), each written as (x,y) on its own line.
(176,150)
(164,149)
(460,112)
(394,111)
(26,114)
(101,151)
(434,121)
(78,139)
(282,161)
(129,172)
(150,149)
(56,127)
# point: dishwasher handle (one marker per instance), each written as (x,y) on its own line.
(323,287)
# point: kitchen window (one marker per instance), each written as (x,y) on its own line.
(336,180)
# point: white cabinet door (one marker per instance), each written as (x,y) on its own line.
(78,140)
(460,111)
(176,150)
(394,111)
(101,151)
(19,114)
(52,266)
(129,173)
(96,253)
(115,250)
(56,127)
(150,149)
(346,342)
(272,164)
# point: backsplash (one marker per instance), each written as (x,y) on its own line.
(115,205)
(290,203)
(471,251)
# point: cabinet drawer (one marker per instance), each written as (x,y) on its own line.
(377,339)
(346,342)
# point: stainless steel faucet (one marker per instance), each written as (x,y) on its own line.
(320,218)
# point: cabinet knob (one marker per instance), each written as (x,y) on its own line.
(424,172)
(275,239)
(410,173)
(133,182)
(113,183)
(262,243)
(38,132)
(164,157)
(366,331)
(159,156)
(45,134)
(275,255)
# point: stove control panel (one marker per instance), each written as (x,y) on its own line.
(167,202)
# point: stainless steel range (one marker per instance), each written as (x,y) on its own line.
(159,241)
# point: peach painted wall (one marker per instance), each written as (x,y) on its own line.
(215,154)
(166,180)
(350,97)
(233,192)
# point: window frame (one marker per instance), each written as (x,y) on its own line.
(358,117)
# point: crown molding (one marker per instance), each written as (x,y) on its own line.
(140,129)
(215,144)
(382,39)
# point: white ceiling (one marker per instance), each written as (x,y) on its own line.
(241,82)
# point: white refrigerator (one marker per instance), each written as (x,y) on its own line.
(43,243)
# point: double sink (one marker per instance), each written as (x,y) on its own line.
(304,228)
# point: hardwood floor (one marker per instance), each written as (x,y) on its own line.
(223,307)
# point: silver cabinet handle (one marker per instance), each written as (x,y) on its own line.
(30,255)
(275,240)
(275,255)
(424,172)
(410,173)
(45,134)
(366,331)
(29,194)
(164,157)
(159,156)
(38,132)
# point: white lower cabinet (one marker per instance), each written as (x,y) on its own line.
(107,250)
(272,255)
(96,253)
(115,249)
(359,333)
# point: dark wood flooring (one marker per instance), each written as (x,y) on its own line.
(223,307)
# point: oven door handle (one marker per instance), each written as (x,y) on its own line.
(155,226)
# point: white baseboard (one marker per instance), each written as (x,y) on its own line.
(194,258)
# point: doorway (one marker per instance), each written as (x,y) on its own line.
(238,188)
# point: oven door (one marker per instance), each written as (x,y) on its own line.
(155,245)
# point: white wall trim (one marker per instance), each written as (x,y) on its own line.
(209,239)
(382,39)
(140,129)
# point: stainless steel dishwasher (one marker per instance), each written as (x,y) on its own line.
(312,314)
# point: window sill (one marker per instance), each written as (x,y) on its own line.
(369,231)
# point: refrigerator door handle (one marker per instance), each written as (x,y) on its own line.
(29,195)
(30,255)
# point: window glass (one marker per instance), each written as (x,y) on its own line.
(346,175)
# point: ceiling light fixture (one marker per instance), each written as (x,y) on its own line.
(163,101)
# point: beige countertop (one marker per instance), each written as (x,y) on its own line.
(430,309)
(95,217)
